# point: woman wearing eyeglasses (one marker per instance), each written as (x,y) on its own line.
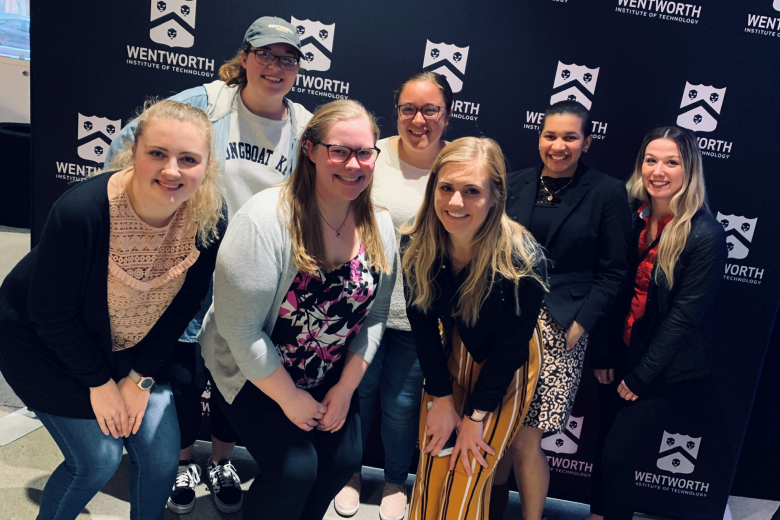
(301,294)
(423,105)
(256,132)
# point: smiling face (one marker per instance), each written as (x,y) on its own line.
(270,80)
(463,198)
(348,179)
(169,160)
(561,143)
(420,133)
(662,170)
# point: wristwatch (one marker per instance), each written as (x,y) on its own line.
(144,383)
(474,414)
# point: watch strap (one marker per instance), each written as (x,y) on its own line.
(144,383)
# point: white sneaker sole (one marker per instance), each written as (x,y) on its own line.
(385,517)
(180,509)
(346,512)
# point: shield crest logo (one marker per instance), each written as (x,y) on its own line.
(455,59)
(567,440)
(102,131)
(678,453)
(706,100)
(737,226)
(316,43)
(584,79)
(173,22)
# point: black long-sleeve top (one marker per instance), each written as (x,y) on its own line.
(55,333)
(499,338)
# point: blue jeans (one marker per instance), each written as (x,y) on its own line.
(395,375)
(91,459)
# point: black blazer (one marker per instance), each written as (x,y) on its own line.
(668,343)
(55,332)
(586,245)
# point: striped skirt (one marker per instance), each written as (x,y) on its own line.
(440,494)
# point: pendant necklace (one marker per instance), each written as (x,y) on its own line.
(337,230)
(551,193)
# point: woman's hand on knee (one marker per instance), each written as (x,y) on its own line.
(303,410)
(136,401)
(470,440)
(440,421)
(109,408)
(337,402)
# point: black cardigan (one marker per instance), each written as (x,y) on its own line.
(55,333)
(499,338)
(668,343)
(586,244)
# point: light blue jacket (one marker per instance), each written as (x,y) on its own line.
(217,100)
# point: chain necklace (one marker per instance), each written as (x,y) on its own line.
(551,193)
(337,230)
(458,265)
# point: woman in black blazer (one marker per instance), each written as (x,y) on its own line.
(655,342)
(581,217)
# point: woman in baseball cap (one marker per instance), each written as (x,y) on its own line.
(256,133)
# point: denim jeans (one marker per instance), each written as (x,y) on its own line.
(395,375)
(92,458)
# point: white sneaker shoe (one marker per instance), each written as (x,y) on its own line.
(347,502)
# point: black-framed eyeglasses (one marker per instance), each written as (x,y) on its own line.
(408,111)
(340,154)
(263,57)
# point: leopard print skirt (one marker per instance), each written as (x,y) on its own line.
(559,377)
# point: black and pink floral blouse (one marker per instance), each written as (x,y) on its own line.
(320,316)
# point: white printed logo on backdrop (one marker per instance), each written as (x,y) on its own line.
(103,129)
(453,61)
(776,5)
(566,441)
(678,453)
(582,79)
(316,43)
(707,102)
(179,22)
(739,233)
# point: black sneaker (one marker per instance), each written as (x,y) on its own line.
(182,498)
(225,486)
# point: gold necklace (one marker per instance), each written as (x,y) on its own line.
(551,193)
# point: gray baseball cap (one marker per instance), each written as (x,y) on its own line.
(271,29)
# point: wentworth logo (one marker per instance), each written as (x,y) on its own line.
(169,60)
(173,22)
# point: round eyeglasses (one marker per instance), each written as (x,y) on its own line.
(341,154)
(408,111)
(263,57)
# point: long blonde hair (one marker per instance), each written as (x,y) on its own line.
(501,247)
(299,195)
(685,203)
(205,207)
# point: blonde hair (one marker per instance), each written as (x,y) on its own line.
(500,247)
(685,203)
(205,207)
(299,196)
(232,71)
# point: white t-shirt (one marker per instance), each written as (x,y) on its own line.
(399,187)
(256,155)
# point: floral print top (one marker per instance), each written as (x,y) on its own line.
(320,316)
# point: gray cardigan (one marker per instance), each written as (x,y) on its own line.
(254,271)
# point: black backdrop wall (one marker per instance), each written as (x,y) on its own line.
(709,66)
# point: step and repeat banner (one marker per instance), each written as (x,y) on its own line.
(710,66)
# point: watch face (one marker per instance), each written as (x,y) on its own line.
(147,383)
